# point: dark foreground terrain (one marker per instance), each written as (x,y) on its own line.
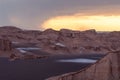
(40,69)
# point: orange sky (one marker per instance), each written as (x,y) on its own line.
(81,22)
(57,14)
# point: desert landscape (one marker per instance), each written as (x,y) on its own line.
(82,55)
(59,39)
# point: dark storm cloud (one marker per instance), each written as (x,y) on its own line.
(31,13)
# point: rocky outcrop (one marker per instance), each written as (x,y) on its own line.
(108,68)
(14,57)
(76,42)
(5,45)
(91,31)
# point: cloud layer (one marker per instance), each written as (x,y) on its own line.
(80,22)
(30,14)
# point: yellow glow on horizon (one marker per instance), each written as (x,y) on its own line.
(77,22)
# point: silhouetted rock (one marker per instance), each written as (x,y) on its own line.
(10,28)
(49,31)
(67,33)
(91,31)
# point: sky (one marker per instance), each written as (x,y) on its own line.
(102,15)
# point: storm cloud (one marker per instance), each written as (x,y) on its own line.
(30,14)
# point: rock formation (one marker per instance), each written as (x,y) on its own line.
(5,45)
(108,68)
(14,57)
(76,42)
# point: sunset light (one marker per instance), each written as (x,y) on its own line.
(77,22)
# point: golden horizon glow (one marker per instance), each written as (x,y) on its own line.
(77,22)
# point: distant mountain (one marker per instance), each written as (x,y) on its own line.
(10,27)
